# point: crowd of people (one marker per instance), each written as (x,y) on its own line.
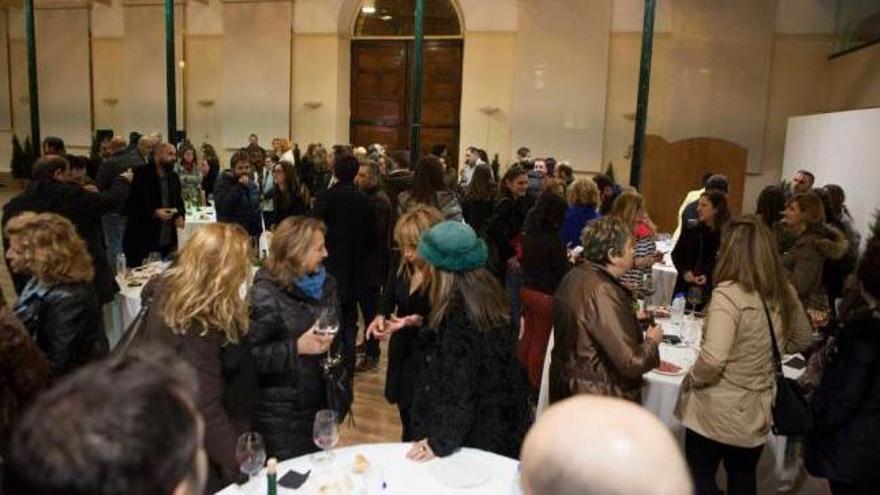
(465,271)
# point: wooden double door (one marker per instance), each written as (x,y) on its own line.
(381,87)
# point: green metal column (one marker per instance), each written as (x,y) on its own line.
(415,139)
(170,71)
(32,73)
(635,175)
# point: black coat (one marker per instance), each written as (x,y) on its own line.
(292,387)
(143,228)
(115,165)
(66,323)
(545,260)
(844,445)
(375,267)
(237,203)
(84,209)
(408,345)
(477,212)
(505,225)
(472,391)
(209,181)
(696,251)
(351,235)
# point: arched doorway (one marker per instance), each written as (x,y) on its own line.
(381,75)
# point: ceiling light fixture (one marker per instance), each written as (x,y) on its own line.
(368,9)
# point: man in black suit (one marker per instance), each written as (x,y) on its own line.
(351,238)
(154,209)
(51,191)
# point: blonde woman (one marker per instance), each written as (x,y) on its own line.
(630,208)
(726,399)
(197,309)
(403,310)
(288,295)
(583,198)
(58,305)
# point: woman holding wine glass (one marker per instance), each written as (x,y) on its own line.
(288,297)
(696,251)
(403,309)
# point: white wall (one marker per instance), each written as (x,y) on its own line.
(839,148)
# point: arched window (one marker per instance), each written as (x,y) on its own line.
(397,18)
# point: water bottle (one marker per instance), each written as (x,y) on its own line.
(678,305)
(120,265)
(515,487)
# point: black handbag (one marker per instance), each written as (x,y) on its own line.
(791,412)
(131,332)
(339,383)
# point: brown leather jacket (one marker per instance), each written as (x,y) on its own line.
(599,347)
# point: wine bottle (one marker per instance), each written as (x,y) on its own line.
(495,166)
(272,476)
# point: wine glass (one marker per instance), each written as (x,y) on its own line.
(694,297)
(250,453)
(664,242)
(154,257)
(325,433)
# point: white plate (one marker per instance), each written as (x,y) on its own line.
(460,470)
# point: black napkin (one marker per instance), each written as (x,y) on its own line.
(293,479)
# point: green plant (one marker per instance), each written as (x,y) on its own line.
(609,172)
(17,163)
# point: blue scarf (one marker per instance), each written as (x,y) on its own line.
(313,285)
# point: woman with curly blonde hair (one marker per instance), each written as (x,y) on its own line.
(197,308)
(58,305)
(583,199)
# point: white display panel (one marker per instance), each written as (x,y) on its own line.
(839,148)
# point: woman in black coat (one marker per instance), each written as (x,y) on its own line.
(286,193)
(406,296)
(472,391)
(287,297)
(545,262)
(479,200)
(58,305)
(696,251)
(844,444)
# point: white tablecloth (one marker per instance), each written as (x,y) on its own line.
(660,394)
(194,221)
(402,476)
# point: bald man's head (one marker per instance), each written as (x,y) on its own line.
(590,445)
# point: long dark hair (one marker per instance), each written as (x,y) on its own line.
(722,212)
(427,181)
(548,213)
(477,291)
(771,203)
(512,173)
(284,199)
(481,187)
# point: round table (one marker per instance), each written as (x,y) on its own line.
(401,475)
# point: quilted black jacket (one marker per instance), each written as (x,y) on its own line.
(292,388)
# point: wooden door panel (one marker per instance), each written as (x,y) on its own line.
(385,112)
(381,86)
(364,135)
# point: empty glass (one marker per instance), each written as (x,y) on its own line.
(325,433)
(154,257)
(250,452)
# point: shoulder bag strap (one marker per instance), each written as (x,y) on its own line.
(777,359)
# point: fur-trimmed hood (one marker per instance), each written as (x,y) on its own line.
(829,241)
